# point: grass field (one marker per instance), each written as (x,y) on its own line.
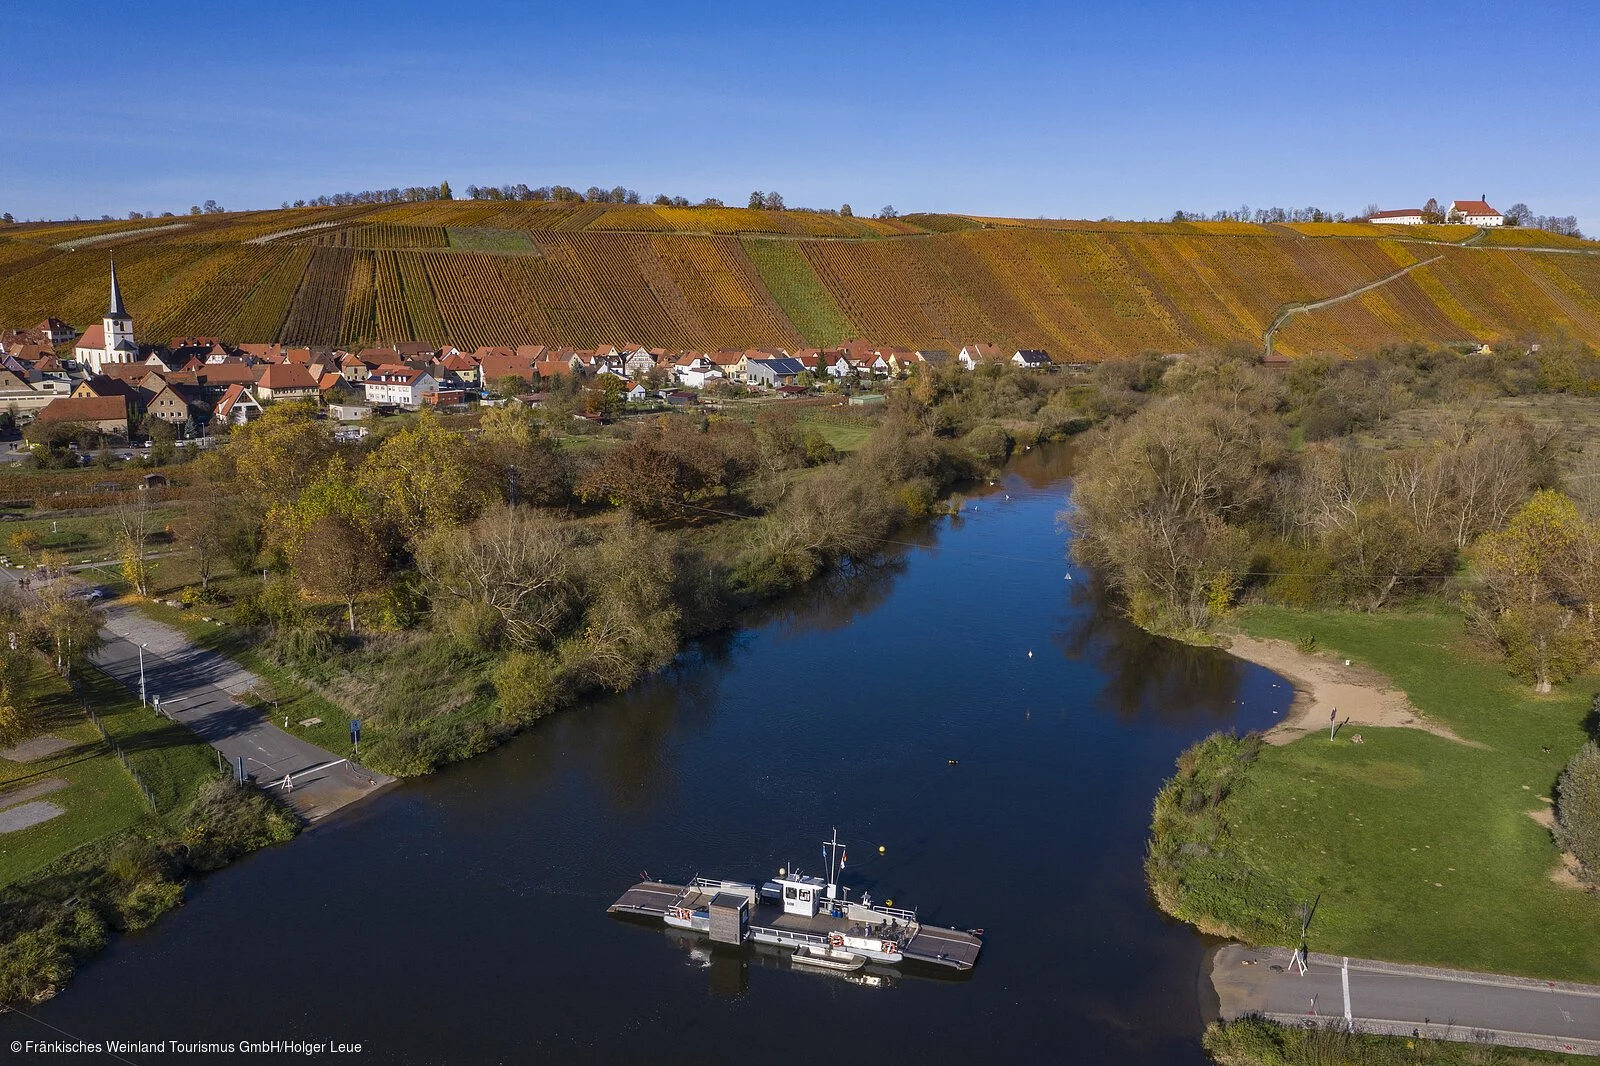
(101,798)
(1422,849)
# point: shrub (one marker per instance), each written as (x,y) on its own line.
(529,685)
(148,901)
(136,860)
(33,965)
(990,443)
(1577,826)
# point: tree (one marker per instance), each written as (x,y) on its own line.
(631,624)
(513,563)
(1432,213)
(427,476)
(511,386)
(69,624)
(757,200)
(888,211)
(1540,591)
(773,201)
(271,459)
(662,200)
(514,442)
(1577,827)
(207,523)
(331,535)
(1518,215)
(1164,502)
(135,524)
(845,212)
(444,191)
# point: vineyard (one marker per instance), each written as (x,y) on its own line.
(490,273)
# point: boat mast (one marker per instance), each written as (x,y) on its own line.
(833,863)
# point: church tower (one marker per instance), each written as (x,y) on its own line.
(120,345)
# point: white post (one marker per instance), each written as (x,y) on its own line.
(1344,977)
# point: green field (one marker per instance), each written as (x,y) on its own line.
(1420,849)
(101,798)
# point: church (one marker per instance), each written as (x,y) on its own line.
(111,341)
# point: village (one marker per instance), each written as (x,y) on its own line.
(108,387)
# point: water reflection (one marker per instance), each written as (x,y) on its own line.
(1146,677)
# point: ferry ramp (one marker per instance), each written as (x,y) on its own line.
(648,898)
(943,947)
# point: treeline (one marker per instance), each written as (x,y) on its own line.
(411,194)
(1216,481)
(1261,216)
(458,583)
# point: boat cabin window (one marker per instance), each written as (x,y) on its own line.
(789,893)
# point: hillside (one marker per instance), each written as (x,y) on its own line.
(475,273)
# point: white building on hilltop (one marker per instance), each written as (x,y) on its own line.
(1474,213)
(112,340)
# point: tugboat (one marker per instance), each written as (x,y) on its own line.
(824,928)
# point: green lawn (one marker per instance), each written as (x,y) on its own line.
(1421,848)
(846,438)
(101,798)
(78,537)
(477,239)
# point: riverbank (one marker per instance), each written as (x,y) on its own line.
(1260,1042)
(1413,845)
(1332,691)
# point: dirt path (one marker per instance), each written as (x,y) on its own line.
(1300,309)
(1323,685)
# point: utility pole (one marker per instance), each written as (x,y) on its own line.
(142,701)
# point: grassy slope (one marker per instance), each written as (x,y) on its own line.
(613,273)
(1422,848)
(101,798)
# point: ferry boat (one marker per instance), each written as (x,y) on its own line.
(806,914)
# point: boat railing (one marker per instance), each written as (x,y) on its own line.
(791,937)
(733,886)
(897,913)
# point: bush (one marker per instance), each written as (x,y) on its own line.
(227,820)
(1577,826)
(989,443)
(303,647)
(529,685)
(148,901)
(33,966)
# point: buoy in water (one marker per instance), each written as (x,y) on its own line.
(1030,653)
(952,762)
(881,849)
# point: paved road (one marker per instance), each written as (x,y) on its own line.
(198,688)
(1391,998)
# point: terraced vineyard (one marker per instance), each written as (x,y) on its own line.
(478,273)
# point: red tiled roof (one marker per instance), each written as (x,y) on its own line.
(93,337)
(1404,212)
(1472,207)
(282,376)
(85,409)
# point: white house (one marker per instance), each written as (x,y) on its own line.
(111,341)
(1405,216)
(842,366)
(639,363)
(237,406)
(971,355)
(398,384)
(1475,213)
(1032,359)
(696,370)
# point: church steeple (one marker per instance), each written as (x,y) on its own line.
(116,310)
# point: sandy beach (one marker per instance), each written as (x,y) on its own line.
(1324,685)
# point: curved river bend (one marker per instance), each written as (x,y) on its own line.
(461,918)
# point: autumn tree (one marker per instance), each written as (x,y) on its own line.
(208,523)
(331,536)
(134,526)
(1163,504)
(631,622)
(67,624)
(1540,590)
(531,468)
(272,458)
(427,478)
(1577,827)
(512,563)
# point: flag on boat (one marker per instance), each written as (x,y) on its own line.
(842,854)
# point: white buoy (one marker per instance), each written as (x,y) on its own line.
(1030,653)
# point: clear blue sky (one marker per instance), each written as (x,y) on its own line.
(1128,108)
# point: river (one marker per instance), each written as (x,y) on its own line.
(461,918)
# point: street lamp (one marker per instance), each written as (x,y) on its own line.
(142,701)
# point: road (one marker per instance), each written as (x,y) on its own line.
(1405,1000)
(198,688)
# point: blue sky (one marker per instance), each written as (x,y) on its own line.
(1131,109)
